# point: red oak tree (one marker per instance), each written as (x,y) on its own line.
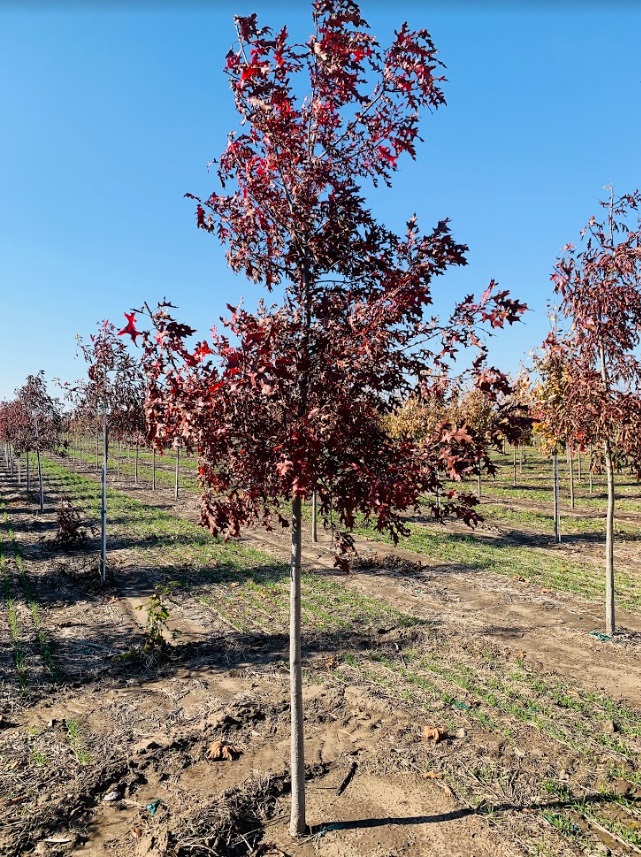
(599,286)
(289,400)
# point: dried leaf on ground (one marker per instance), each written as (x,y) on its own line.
(221,750)
(435,733)
(431,775)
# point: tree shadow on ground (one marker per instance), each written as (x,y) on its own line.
(602,798)
(103,657)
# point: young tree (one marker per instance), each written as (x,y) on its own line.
(290,402)
(599,286)
(114,389)
(37,422)
(554,421)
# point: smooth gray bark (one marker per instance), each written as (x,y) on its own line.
(297,823)
(557,503)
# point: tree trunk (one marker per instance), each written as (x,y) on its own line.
(571,475)
(609,518)
(578,464)
(136,466)
(177,469)
(514,475)
(557,504)
(153,469)
(591,466)
(42,493)
(28,474)
(297,823)
(520,460)
(103,509)
(609,543)
(19,470)
(314,517)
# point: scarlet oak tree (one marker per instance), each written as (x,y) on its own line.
(599,285)
(288,400)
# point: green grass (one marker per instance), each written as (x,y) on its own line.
(543,567)
(34,609)
(77,743)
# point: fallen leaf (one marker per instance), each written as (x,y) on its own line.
(545,591)
(435,733)
(520,656)
(431,775)
(234,584)
(136,832)
(221,750)
(518,577)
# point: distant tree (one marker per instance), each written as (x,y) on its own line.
(599,289)
(115,392)
(556,420)
(38,422)
(290,402)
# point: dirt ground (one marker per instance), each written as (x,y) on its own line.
(106,750)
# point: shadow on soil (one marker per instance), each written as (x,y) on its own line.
(605,798)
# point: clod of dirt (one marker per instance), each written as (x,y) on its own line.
(436,734)
(221,750)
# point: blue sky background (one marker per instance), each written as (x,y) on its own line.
(110,113)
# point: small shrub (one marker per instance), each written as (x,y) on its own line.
(73,529)
(157,608)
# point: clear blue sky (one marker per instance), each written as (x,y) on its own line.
(111,112)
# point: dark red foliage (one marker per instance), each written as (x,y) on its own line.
(73,529)
(599,285)
(34,418)
(114,381)
(289,399)
(130,327)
